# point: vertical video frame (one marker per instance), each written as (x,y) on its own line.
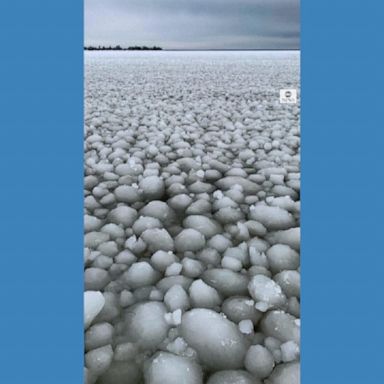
(191,195)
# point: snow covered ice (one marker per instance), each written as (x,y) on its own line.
(191,218)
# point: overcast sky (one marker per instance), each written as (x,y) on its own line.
(194,24)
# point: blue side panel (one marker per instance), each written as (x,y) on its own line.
(41,166)
(342,198)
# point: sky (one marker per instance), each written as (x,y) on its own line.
(194,24)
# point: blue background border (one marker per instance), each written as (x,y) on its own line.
(41,122)
(342,199)
(41,192)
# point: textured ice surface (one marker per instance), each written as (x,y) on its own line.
(203,296)
(266,291)
(146,324)
(167,368)
(285,374)
(217,340)
(238,308)
(93,304)
(259,361)
(232,377)
(191,218)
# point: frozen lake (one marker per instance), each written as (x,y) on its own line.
(259,74)
(191,218)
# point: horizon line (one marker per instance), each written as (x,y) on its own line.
(232,49)
(198,49)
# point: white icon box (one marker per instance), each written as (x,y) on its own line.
(288,96)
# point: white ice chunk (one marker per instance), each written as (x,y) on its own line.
(168,368)
(246,326)
(218,341)
(259,361)
(93,303)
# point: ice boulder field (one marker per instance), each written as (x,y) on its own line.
(191,218)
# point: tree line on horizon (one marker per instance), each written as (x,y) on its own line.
(120,48)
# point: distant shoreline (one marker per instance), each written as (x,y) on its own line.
(120,48)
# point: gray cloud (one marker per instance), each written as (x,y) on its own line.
(194,24)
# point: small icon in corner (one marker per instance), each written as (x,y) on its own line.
(288,96)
